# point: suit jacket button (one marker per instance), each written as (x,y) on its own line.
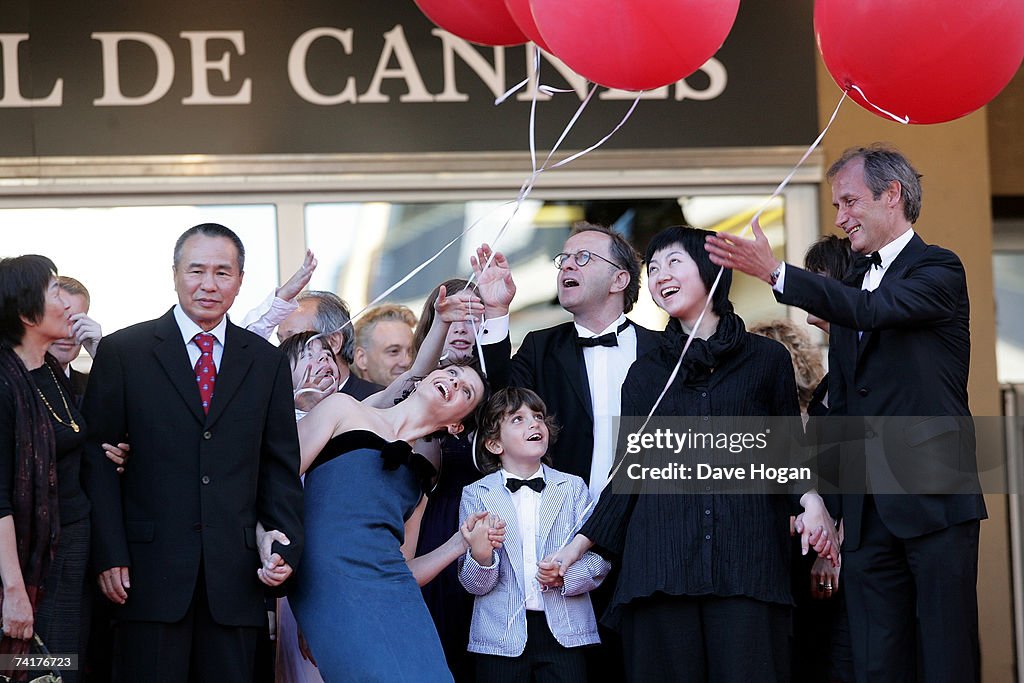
(205,479)
(207,435)
(197,527)
(863,391)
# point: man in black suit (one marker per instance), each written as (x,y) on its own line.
(577,367)
(328,314)
(207,408)
(900,346)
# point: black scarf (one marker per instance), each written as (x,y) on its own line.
(704,355)
(34,494)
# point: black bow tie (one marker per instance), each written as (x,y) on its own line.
(607,339)
(537,484)
(862,263)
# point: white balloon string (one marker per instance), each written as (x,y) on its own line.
(511,91)
(409,275)
(814,145)
(899,119)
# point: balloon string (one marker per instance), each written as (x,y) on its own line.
(814,145)
(900,119)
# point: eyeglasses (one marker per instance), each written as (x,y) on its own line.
(582,258)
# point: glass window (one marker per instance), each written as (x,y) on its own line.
(123,255)
(1008,273)
(364,248)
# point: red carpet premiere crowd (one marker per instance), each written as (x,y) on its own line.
(403,498)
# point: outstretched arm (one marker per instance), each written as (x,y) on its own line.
(463,305)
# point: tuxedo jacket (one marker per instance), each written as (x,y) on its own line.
(196,484)
(907,376)
(79,382)
(499,619)
(359,388)
(550,362)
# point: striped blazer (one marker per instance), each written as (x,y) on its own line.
(499,614)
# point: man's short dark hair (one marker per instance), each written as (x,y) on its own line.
(692,240)
(23,284)
(624,256)
(332,315)
(882,165)
(210,230)
(831,256)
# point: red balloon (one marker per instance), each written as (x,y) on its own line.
(928,61)
(634,44)
(522,13)
(486,22)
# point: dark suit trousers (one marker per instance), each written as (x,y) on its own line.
(193,650)
(544,660)
(896,586)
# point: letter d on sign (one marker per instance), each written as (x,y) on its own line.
(112,95)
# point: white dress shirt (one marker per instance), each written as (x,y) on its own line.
(527,504)
(607,367)
(190,329)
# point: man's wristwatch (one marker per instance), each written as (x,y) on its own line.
(774,276)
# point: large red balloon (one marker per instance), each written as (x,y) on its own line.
(926,60)
(486,22)
(634,44)
(522,13)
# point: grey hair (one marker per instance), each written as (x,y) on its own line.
(332,315)
(210,230)
(882,165)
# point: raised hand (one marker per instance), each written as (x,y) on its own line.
(298,281)
(753,257)
(461,305)
(497,288)
(87,332)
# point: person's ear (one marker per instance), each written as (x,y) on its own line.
(493,446)
(359,358)
(619,282)
(455,429)
(894,193)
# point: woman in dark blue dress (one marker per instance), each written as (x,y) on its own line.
(356,599)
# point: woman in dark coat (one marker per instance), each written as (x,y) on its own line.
(704,589)
(44,513)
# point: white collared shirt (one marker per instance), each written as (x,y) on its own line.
(190,329)
(527,505)
(607,367)
(887,254)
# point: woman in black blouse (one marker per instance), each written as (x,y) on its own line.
(44,513)
(704,590)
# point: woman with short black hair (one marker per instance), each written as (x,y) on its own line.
(44,513)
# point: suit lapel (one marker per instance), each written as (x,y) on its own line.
(170,352)
(233,367)
(551,499)
(498,500)
(569,356)
(907,257)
